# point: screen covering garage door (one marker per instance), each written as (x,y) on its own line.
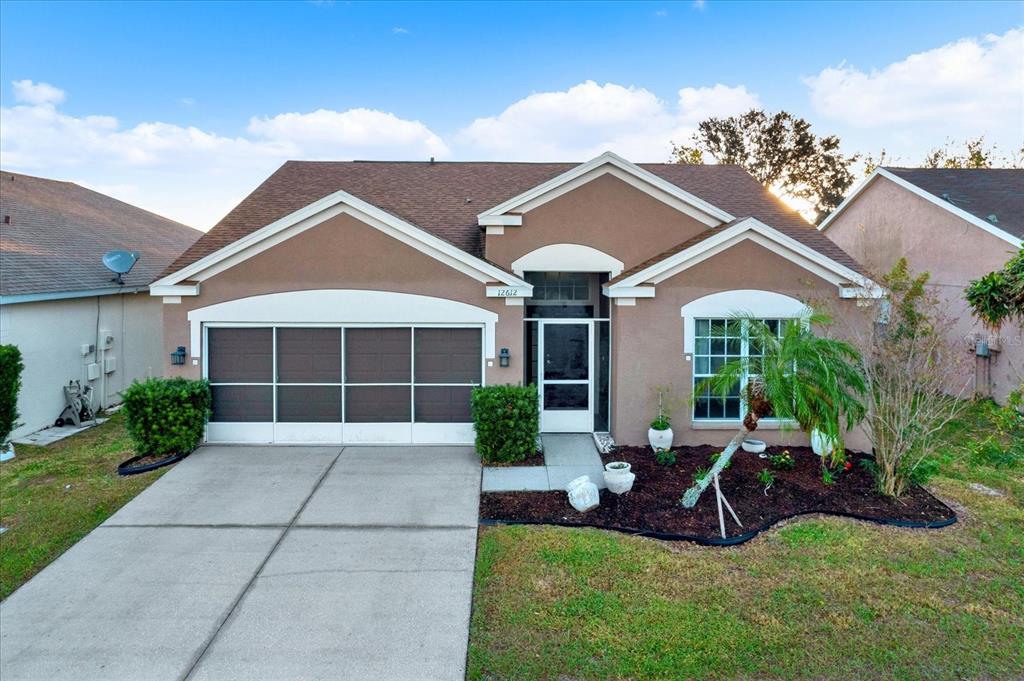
(342,384)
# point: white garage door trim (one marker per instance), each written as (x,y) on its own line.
(342,306)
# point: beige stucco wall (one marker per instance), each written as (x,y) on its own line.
(647,341)
(886,222)
(345,253)
(50,335)
(606,214)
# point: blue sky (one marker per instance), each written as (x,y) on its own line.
(183,108)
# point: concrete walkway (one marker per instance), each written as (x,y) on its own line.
(566,456)
(265,563)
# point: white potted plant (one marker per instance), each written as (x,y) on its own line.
(618,477)
(660,432)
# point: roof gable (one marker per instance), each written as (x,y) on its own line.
(510,212)
(991,199)
(639,281)
(315,213)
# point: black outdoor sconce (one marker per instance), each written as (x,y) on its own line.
(503,357)
(178,356)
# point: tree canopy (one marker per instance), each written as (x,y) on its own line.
(778,149)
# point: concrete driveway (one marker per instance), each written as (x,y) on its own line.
(265,563)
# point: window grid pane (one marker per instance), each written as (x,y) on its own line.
(716,342)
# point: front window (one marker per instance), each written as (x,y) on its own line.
(717,341)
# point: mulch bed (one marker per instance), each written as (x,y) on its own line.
(535,459)
(652,506)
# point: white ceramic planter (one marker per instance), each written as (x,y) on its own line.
(660,439)
(7,452)
(754,446)
(583,494)
(820,444)
(618,478)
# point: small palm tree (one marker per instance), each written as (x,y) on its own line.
(792,375)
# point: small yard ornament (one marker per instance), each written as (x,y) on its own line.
(583,494)
(618,477)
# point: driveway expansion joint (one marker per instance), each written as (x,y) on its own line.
(252,580)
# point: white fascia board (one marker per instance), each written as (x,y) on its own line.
(629,169)
(931,198)
(500,221)
(326,208)
(174,290)
(630,292)
(68,295)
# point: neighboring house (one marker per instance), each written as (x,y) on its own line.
(58,302)
(957,224)
(361,301)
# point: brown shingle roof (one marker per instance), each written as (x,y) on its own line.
(59,231)
(982,192)
(444,198)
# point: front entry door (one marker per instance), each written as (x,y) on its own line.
(565,349)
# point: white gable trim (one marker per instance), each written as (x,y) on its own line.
(567,258)
(336,306)
(335,204)
(606,163)
(760,233)
(753,302)
(927,196)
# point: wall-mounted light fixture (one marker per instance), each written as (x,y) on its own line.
(178,356)
(503,357)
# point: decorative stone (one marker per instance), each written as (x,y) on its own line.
(821,444)
(618,477)
(583,494)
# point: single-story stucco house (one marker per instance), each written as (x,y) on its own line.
(58,303)
(958,224)
(361,301)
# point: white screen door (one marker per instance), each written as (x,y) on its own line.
(565,349)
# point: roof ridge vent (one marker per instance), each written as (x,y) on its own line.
(993,219)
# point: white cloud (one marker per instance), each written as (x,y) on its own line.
(325,134)
(971,86)
(184,172)
(588,118)
(29,92)
(699,4)
(398,30)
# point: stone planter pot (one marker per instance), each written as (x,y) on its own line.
(660,439)
(583,494)
(821,444)
(618,477)
(7,452)
(754,446)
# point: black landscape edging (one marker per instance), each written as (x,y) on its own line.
(125,468)
(738,539)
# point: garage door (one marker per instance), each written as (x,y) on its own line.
(342,383)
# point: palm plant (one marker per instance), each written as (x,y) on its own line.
(793,375)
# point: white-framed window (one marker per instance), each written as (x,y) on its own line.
(718,341)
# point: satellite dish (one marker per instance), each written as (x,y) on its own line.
(120,263)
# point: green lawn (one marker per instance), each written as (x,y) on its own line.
(50,497)
(822,598)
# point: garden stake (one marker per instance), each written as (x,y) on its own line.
(723,500)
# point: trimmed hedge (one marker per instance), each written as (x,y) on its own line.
(507,420)
(10,385)
(166,416)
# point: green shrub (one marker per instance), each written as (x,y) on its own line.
(665,456)
(10,385)
(782,461)
(166,416)
(507,420)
